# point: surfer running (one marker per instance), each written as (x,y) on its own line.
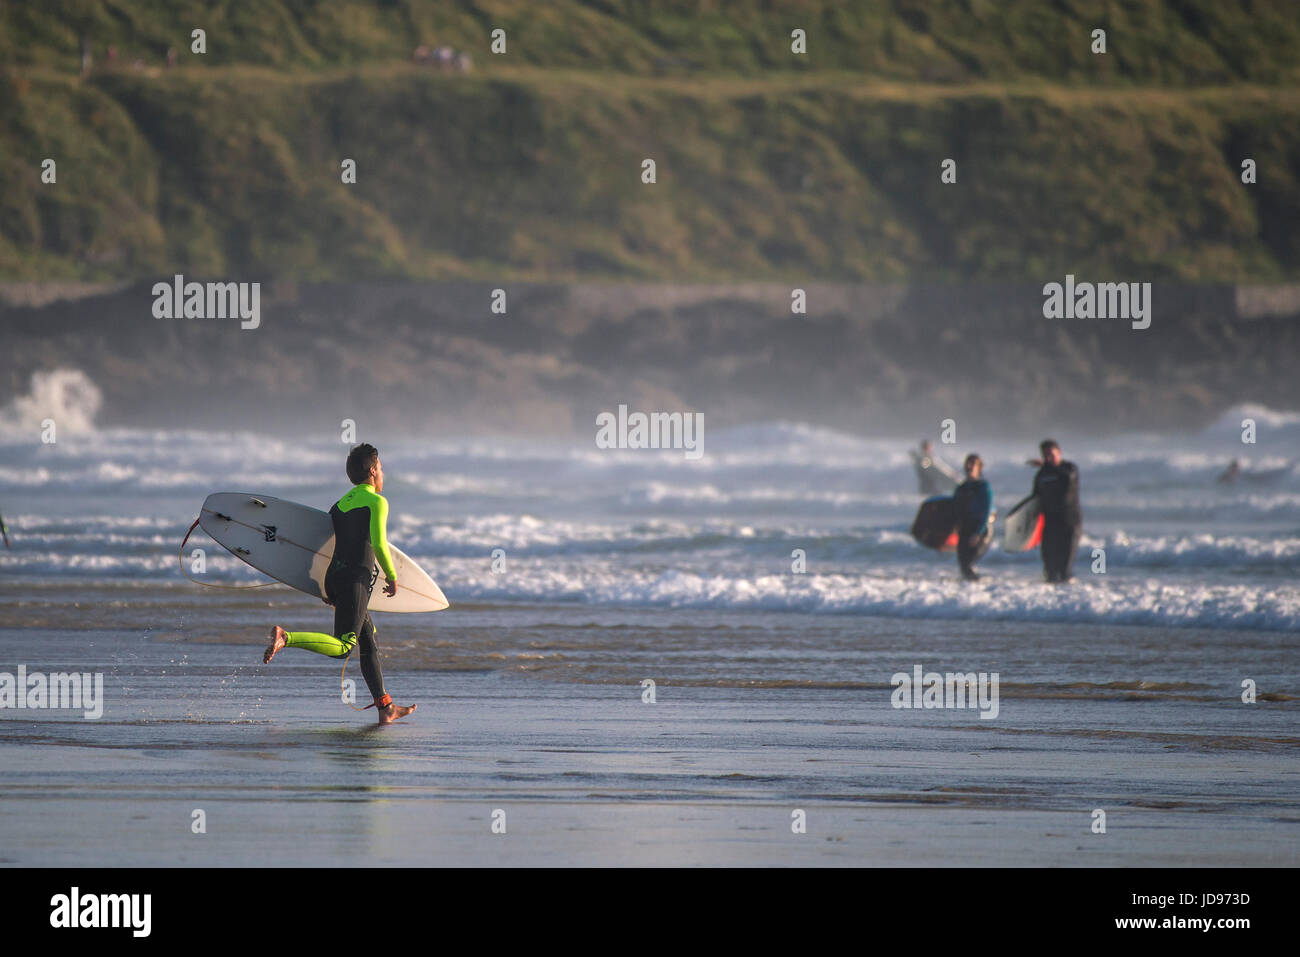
(974,498)
(1057,486)
(360,521)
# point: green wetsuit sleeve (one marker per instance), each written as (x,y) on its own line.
(379,536)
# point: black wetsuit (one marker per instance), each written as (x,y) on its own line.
(1057,488)
(358,517)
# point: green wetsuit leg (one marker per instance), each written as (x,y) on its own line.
(327,645)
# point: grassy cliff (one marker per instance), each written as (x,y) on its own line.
(1162,42)
(770,165)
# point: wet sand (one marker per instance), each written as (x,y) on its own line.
(588,774)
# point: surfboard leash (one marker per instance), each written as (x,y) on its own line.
(344,686)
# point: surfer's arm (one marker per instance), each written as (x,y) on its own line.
(984,505)
(379,537)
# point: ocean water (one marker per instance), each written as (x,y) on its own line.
(1121,692)
(574,524)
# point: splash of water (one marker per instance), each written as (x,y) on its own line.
(67,396)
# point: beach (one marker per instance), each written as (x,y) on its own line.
(808,435)
(576,576)
(538,712)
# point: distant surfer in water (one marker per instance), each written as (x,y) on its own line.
(4,531)
(360,537)
(974,499)
(1057,486)
(1230,474)
(1234,472)
(932,474)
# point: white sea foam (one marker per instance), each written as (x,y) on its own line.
(582,524)
(65,396)
(1140,602)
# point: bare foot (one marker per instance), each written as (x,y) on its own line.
(277,637)
(393,712)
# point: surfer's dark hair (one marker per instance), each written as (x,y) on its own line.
(360,461)
(1046,444)
(972,459)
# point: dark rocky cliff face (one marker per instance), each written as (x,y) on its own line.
(876,359)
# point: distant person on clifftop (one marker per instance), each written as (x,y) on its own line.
(1057,486)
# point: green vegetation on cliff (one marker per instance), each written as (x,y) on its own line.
(770,165)
(1165,42)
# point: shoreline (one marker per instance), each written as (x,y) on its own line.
(589,775)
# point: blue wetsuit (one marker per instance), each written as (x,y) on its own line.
(974,499)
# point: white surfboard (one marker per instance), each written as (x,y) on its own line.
(294,544)
(1023,528)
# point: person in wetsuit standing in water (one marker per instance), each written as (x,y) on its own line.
(360,521)
(974,508)
(932,474)
(1057,486)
